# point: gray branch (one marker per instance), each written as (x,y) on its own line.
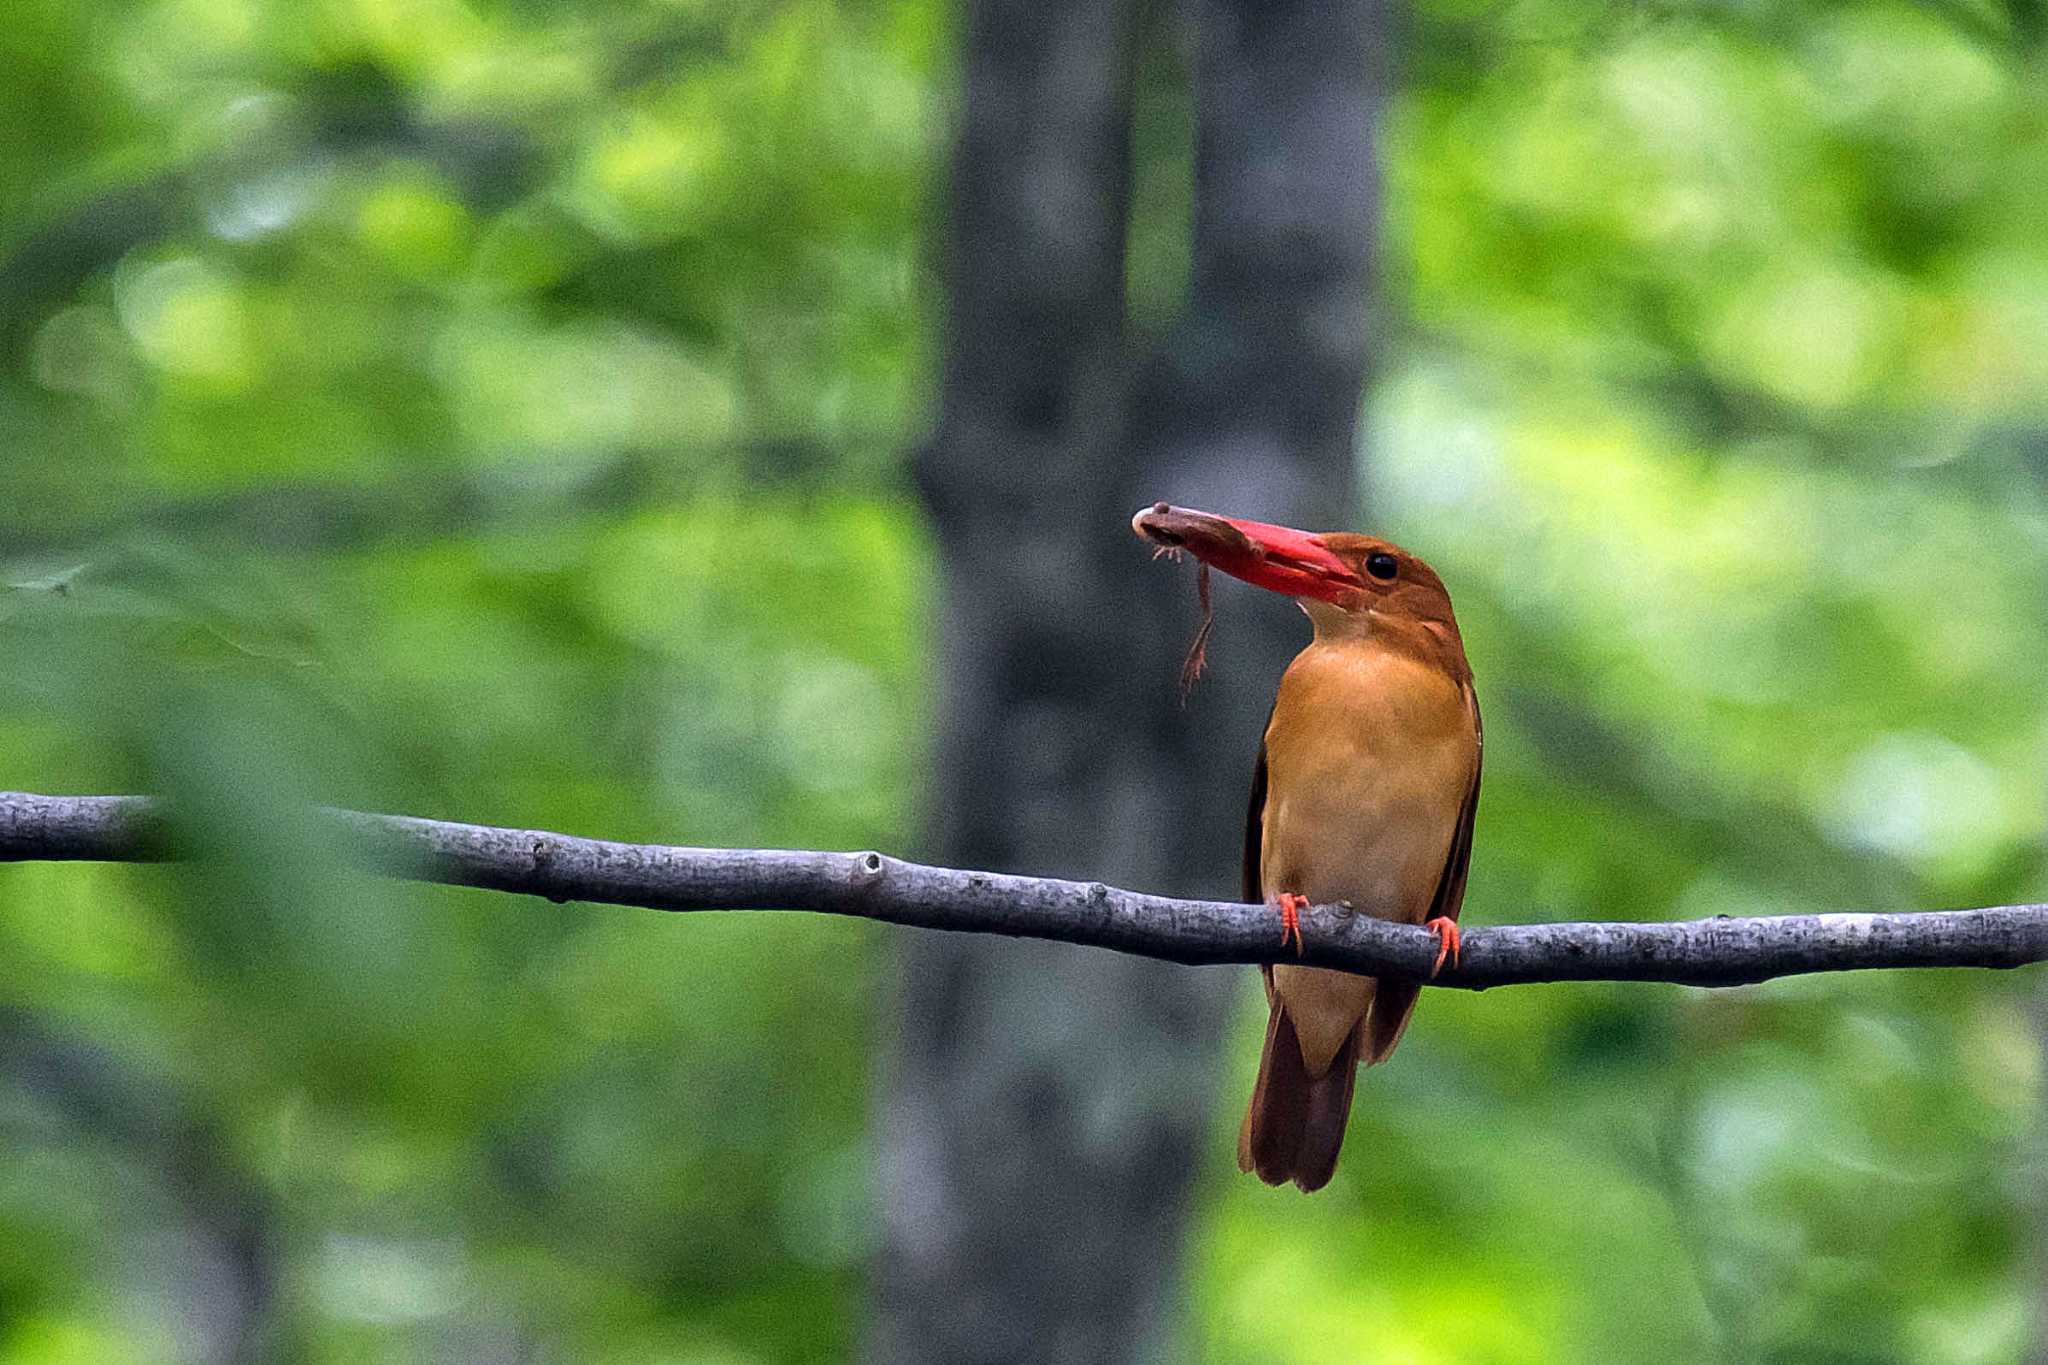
(1710,952)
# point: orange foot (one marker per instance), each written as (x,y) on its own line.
(1446,931)
(1291,906)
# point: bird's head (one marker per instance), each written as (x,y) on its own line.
(1347,583)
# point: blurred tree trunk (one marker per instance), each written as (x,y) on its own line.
(1049,1107)
(226,1269)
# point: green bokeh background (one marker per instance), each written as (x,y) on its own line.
(499,411)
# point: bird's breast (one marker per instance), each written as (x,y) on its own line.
(1370,756)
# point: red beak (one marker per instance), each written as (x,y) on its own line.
(1277,558)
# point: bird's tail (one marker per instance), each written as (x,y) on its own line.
(1393,1000)
(1294,1126)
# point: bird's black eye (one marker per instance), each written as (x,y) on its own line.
(1381,566)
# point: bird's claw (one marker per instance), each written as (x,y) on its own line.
(1447,944)
(1291,906)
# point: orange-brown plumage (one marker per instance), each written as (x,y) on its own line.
(1364,792)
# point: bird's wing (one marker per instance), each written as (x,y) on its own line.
(1254,851)
(1450,888)
(1255,832)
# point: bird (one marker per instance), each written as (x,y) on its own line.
(1364,792)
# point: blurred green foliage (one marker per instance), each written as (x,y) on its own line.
(495,411)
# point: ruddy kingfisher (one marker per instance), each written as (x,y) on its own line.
(1364,793)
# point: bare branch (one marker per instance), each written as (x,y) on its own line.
(1709,952)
